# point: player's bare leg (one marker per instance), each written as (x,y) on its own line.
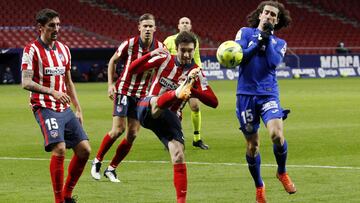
(118,127)
(122,149)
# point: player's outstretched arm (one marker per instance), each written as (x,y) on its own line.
(203,92)
(207,96)
(70,88)
(149,61)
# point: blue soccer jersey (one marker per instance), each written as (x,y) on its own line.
(257,75)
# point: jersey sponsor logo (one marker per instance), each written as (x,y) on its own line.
(169,84)
(270,105)
(55,70)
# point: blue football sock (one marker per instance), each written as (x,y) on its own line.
(254,168)
(280,153)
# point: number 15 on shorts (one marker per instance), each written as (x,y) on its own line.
(247,116)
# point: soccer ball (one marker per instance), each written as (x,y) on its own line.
(229,54)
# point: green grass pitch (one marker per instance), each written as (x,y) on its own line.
(322,132)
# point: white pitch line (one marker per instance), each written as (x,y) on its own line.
(197,163)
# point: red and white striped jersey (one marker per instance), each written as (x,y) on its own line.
(131,84)
(168,72)
(167,75)
(49,66)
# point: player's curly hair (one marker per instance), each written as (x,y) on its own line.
(45,15)
(283,16)
(185,37)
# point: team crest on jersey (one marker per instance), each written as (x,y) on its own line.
(62,57)
(54,133)
(169,84)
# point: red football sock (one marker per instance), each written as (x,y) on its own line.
(121,152)
(166,99)
(106,143)
(57,176)
(76,167)
(180,182)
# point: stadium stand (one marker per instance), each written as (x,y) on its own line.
(104,23)
(348,10)
(78,23)
(18,37)
(210,22)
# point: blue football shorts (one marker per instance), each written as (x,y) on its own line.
(249,109)
(125,106)
(59,127)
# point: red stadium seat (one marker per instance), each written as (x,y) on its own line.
(213,21)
